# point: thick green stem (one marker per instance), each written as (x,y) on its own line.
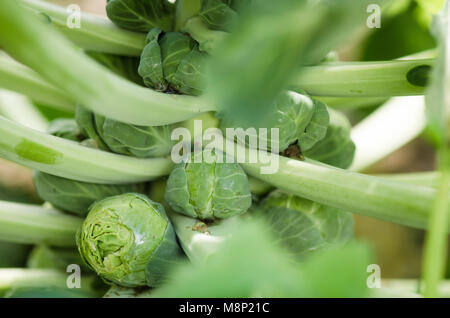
(373,143)
(19,78)
(68,159)
(33,224)
(95,33)
(364,79)
(435,242)
(20,109)
(185,10)
(16,277)
(372,196)
(208,39)
(357,193)
(51,55)
(425,179)
(198,240)
(349,103)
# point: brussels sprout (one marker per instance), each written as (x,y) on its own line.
(172,61)
(76,196)
(208,190)
(297,116)
(337,148)
(126,139)
(141,15)
(125,66)
(222,14)
(304,226)
(128,240)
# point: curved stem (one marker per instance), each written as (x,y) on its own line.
(367,195)
(198,240)
(357,193)
(19,78)
(349,103)
(381,133)
(13,277)
(51,55)
(68,159)
(424,179)
(208,39)
(364,79)
(185,10)
(20,109)
(33,224)
(95,33)
(436,242)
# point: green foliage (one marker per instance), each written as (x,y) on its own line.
(141,15)
(12,254)
(44,257)
(297,118)
(272,42)
(65,128)
(337,148)
(393,40)
(303,226)
(172,61)
(70,195)
(222,14)
(122,138)
(76,196)
(208,188)
(256,267)
(125,66)
(128,240)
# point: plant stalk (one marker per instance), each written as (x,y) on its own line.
(436,240)
(56,59)
(19,78)
(94,33)
(70,160)
(33,224)
(364,79)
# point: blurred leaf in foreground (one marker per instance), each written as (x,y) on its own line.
(270,42)
(250,264)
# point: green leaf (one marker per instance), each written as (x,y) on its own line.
(256,267)
(65,128)
(125,66)
(222,14)
(269,43)
(303,226)
(296,116)
(337,148)
(126,139)
(76,196)
(141,15)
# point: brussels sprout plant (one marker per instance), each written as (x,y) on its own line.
(128,240)
(208,190)
(120,89)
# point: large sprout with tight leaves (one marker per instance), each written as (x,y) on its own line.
(128,240)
